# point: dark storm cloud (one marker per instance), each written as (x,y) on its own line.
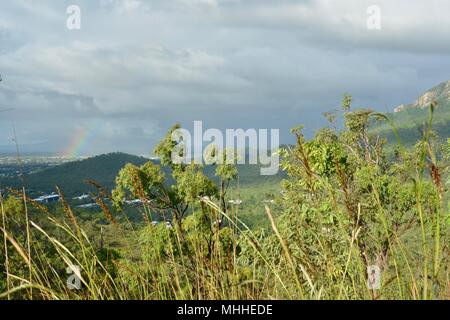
(137,67)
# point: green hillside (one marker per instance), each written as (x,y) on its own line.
(409,119)
(343,207)
(71,177)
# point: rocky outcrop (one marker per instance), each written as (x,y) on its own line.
(440,93)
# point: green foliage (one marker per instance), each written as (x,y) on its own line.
(410,123)
(13,208)
(192,184)
(342,190)
(345,205)
(166,147)
(144,182)
(71,177)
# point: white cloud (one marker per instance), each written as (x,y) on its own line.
(138,66)
(193,3)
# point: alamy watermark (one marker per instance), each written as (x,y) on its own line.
(73,21)
(373,277)
(236,146)
(374,17)
(74,279)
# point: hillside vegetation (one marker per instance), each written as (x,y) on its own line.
(72,178)
(410,119)
(344,207)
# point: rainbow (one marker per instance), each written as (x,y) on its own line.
(77,144)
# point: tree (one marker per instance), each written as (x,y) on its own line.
(344,190)
(176,195)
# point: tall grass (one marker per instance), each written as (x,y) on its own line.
(274,272)
(213,254)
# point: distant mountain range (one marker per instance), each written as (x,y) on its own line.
(409,119)
(71,177)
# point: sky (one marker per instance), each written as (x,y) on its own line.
(137,67)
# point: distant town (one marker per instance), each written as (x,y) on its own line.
(13,166)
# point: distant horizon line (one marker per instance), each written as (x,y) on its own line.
(84,156)
(58,155)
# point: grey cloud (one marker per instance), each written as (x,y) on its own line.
(137,67)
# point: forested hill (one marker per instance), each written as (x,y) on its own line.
(71,177)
